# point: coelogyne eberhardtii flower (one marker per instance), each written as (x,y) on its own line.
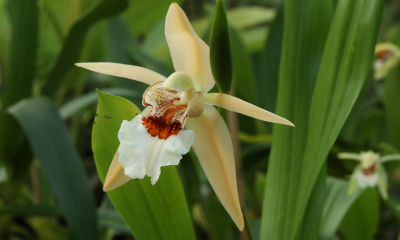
(156,137)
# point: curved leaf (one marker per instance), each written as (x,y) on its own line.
(74,41)
(344,68)
(61,164)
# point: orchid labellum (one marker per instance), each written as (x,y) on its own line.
(370,172)
(157,138)
(388,57)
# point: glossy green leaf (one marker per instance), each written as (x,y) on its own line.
(74,41)
(220,49)
(18,84)
(344,68)
(362,219)
(60,162)
(142,206)
(337,204)
(392,109)
(306,28)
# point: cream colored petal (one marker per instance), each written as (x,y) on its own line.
(189,53)
(382,181)
(237,105)
(213,147)
(387,158)
(126,71)
(115,175)
(351,156)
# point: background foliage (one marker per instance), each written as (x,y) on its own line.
(308,61)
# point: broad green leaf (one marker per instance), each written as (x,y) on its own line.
(362,219)
(312,219)
(337,203)
(220,49)
(18,85)
(306,28)
(77,104)
(74,41)
(344,68)
(150,212)
(60,162)
(392,109)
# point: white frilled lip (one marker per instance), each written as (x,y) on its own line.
(212,143)
(142,154)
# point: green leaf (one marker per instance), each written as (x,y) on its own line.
(306,28)
(18,85)
(268,74)
(60,162)
(111,218)
(345,66)
(243,75)
(150,212)
(337,204)
(220,49)
(81,102)
(392,110)
(362,219)
(74,41)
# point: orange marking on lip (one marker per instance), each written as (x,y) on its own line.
(166,117)
(369,171)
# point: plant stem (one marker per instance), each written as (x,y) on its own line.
(247,226)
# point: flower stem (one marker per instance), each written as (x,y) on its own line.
(247,226)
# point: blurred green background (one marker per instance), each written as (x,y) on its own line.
(49,185)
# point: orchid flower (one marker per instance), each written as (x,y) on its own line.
(388,57)
(370,172)
(156,137)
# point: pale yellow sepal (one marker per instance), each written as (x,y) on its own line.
(126,71)
(237,105)
(115,175)
(189,53)
(213,147)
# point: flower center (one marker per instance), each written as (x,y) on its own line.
(369,171)
(167,115)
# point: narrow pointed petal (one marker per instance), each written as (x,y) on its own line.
(237,105)
(115,175)
(394,157)
(351,156)
(126,71)
(382,181)
(213,147)
(189,53)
